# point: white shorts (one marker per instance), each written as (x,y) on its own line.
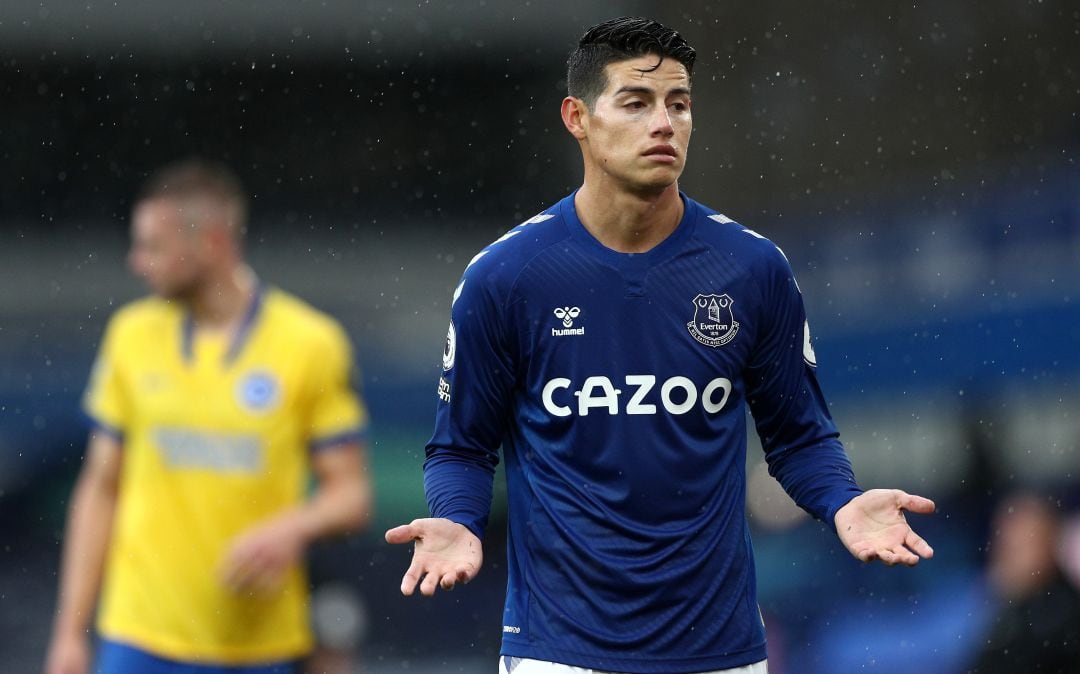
(509,665)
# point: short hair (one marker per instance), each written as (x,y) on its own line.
(197,178)
(619,40)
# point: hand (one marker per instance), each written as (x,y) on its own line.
(872,526)
(445,554)
(68,655)
(259,558)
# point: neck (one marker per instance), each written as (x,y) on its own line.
(222,301)
(629,222)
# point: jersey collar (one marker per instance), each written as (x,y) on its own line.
(649,258)
(240,337)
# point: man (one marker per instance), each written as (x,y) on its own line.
(213,403)
(1035,625)
(609,345)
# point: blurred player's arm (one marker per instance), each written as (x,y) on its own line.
(86,542)
(342,503)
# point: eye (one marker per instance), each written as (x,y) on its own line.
(635,105)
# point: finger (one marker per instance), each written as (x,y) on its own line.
(448,581)
(244,564)
(233,572)
(465,574)
(268,573)
(238,582)
(904,556)
(243,577)
(866,554)
(916,504)
(269,581)
(916,544)
(402,534)
(409,581)
(256,582)
(428,585)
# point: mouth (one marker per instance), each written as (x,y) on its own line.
(661,153)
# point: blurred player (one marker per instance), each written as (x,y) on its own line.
(213,402)
(1036,623)
(610,345)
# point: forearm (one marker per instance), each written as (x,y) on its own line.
(802,445)
(86,542)
(818,477)
(340,507)
(343,500)
(459,490)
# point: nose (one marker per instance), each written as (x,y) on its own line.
(661,123)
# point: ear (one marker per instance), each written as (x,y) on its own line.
(575,117)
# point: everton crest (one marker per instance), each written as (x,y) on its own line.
(714,324)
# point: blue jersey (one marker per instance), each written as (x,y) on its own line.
(617,386)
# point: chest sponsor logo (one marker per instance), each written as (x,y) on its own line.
(636,394)
(191,449)
(714,323)
(566,316)
(259,391)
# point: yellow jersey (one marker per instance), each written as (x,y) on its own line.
(216,434)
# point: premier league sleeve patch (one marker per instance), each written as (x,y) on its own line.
(259,392)
(450,350)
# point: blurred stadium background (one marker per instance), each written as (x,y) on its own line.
(917,162)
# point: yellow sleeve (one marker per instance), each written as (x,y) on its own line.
(337,412)
(106,399)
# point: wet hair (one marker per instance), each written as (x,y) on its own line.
(619,40)
(193,179)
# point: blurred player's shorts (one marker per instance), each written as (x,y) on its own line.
(114,657)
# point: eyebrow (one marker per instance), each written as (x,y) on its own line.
(638,89)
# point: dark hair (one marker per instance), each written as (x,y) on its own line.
(200,178)
(618,40)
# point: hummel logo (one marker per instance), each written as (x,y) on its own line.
(567,315)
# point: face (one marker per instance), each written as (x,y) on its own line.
(639,128)
(1023,551)
(167,250)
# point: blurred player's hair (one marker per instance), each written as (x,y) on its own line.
(620,40)
(190,180)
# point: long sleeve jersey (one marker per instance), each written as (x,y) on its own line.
(616,386)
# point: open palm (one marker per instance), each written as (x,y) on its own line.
(445,554)
(872,526)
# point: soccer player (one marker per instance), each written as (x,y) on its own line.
(610,346)
(214,403)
